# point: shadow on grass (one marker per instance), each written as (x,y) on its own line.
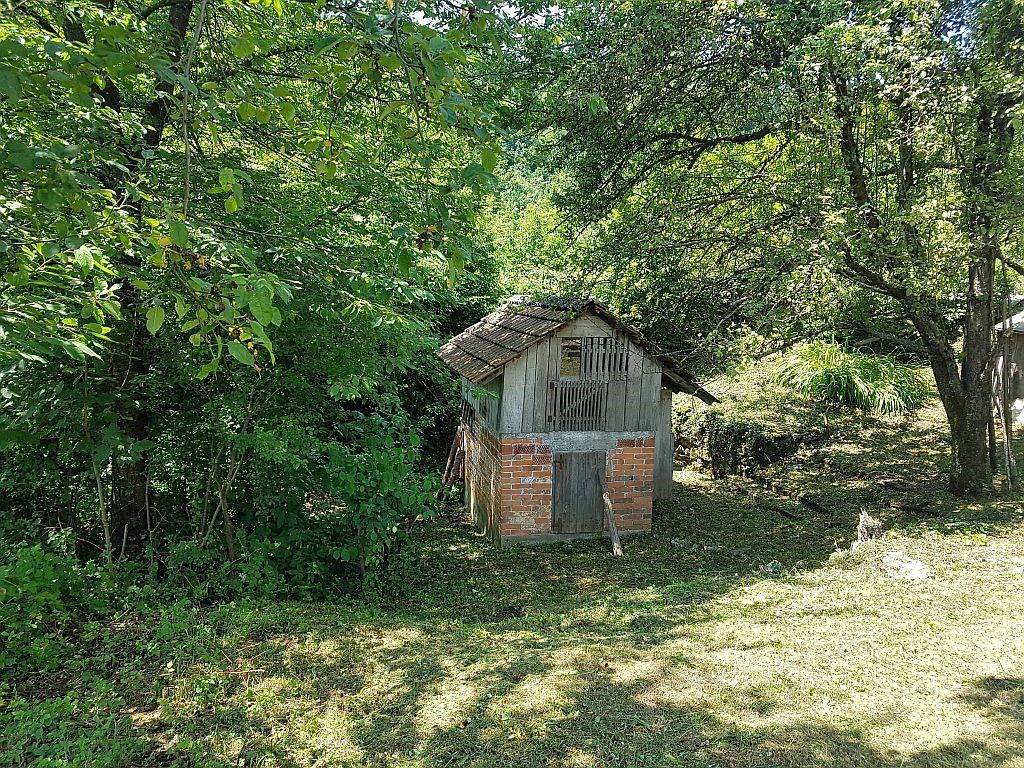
(570,705)
(563,655)
(896,468)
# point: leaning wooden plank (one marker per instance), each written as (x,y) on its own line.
(454,466)
(613,532)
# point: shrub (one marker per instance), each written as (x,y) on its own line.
(202,572)
(726,443)
(86,728)
(826,372)
(323,514)
(44,598)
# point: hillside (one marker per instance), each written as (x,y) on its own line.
(734,635)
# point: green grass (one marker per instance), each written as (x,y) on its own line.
(828,373)
(566,656)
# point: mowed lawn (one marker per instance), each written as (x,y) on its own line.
(682,652)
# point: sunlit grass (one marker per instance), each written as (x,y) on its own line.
(566,656)
(830,374)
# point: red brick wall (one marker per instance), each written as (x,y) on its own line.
(508,483)
(630,479)
(483,477)
(525,487)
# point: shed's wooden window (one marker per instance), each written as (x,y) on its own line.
(593,358)
(577,405)
(572,349)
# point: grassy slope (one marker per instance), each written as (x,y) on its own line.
(565,656)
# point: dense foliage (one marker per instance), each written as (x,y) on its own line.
(233,232)
(228,233)
(827,372)
(793,169)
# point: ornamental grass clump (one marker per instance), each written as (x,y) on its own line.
(826,372)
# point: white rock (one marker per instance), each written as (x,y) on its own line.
(898,566)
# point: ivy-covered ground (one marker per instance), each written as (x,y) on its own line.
(741,632)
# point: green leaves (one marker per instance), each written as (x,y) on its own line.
(243,47)
(246,111)
(231,183)
(596,105)
(488,159)
(240,353)
(177,230)
(154,319)
(344,144)
(261,305)
(85,257)
(10,84)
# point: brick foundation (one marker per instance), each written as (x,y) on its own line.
(525,487)
(630,479)
(509,483)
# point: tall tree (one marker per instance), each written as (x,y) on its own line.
(173,173)
(782,144)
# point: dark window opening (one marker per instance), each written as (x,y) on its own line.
(594,358)
(572,352)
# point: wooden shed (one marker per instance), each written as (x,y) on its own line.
(563,402)
(1008,371)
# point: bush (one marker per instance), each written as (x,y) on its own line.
(202,573)
(727,444)
(828,373)
(323,515)
(85,728)
(44,598)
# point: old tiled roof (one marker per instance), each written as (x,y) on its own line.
(480,352)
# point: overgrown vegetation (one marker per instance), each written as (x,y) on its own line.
(229,234)
(689,650)
(766,413)
(826,167)
(232,234)
(827,372)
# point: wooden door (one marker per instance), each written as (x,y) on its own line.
(577,506)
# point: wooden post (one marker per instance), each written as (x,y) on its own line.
(993,457)
(1004,396)
(609,513)
(453,467)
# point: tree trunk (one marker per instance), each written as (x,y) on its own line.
(130,479)
(970,473)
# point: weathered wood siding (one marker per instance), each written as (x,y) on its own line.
(486,406)
(663,448)
(632,403)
